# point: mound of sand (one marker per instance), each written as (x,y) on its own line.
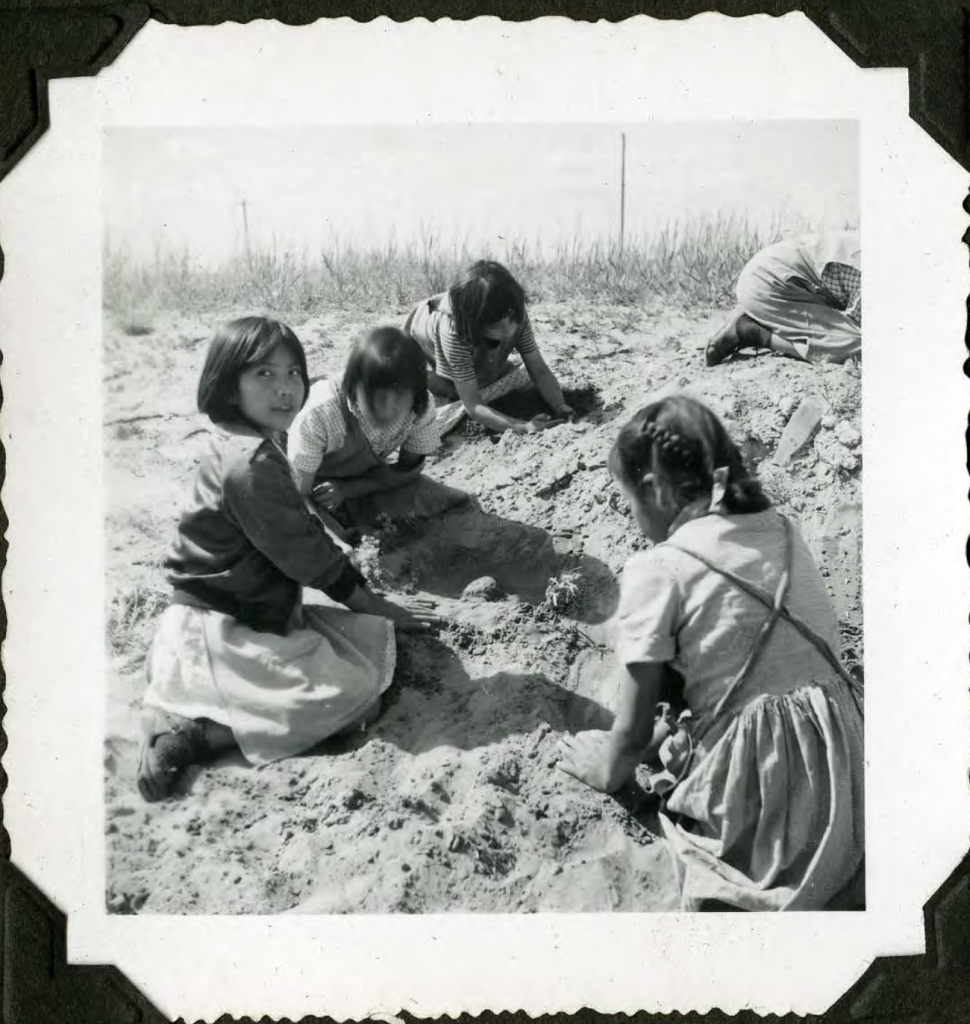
(451,801)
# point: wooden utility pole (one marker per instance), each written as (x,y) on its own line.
(622,187)
(246,232)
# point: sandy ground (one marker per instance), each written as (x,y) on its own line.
(451,801)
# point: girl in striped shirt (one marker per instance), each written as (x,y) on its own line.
(342,440)
(467,335)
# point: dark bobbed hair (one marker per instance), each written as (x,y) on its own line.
(237,344)
(385,357)
(692,444)
(482,295)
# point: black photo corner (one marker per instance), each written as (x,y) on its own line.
(70,38)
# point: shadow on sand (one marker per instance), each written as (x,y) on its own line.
(442,556)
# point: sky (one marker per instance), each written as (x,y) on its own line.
(485,184)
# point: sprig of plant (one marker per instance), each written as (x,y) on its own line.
(561,592)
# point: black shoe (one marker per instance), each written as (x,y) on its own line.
(170,745)
(725,341)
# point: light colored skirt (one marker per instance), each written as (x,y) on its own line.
(777,805)
(450,415)
(769,291)
(280,695)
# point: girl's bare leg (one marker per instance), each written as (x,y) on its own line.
(751,334)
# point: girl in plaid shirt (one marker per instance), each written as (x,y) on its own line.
(341,442)
(800,297)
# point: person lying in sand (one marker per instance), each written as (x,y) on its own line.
(467,335)
(802,298)
(237,659)
(341,441)
(766,809)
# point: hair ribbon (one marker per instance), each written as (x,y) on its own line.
(718,488)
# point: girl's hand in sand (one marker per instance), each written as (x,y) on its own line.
(594,758)
(540,422)
(566,412)
(410,614)
(330,494)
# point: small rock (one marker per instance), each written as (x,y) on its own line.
(829,421)
(483,589)
(355,799)
(848,435)
(835,454)
(786,404)
(552,483)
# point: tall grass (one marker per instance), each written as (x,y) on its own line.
(692,261)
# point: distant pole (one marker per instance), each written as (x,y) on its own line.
(246,231)
(622,187)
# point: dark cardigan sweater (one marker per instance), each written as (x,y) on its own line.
(248,543)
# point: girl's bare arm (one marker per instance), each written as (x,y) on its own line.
(471,398)
(607,760)
(640,689)
(545,381)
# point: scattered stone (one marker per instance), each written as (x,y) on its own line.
(829,421)
(848,435)
(798,430)
(355,799)
(786,404)
(553,483)
(483,589)
(830,450)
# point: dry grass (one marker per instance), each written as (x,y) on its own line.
(687,261)
(132,615)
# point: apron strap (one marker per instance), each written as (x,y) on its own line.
(777,610)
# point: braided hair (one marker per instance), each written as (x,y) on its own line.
(681,442)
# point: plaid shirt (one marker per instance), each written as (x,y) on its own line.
(845,284)
(320,428)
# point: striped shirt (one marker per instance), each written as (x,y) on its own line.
(320,428)
(453,357)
